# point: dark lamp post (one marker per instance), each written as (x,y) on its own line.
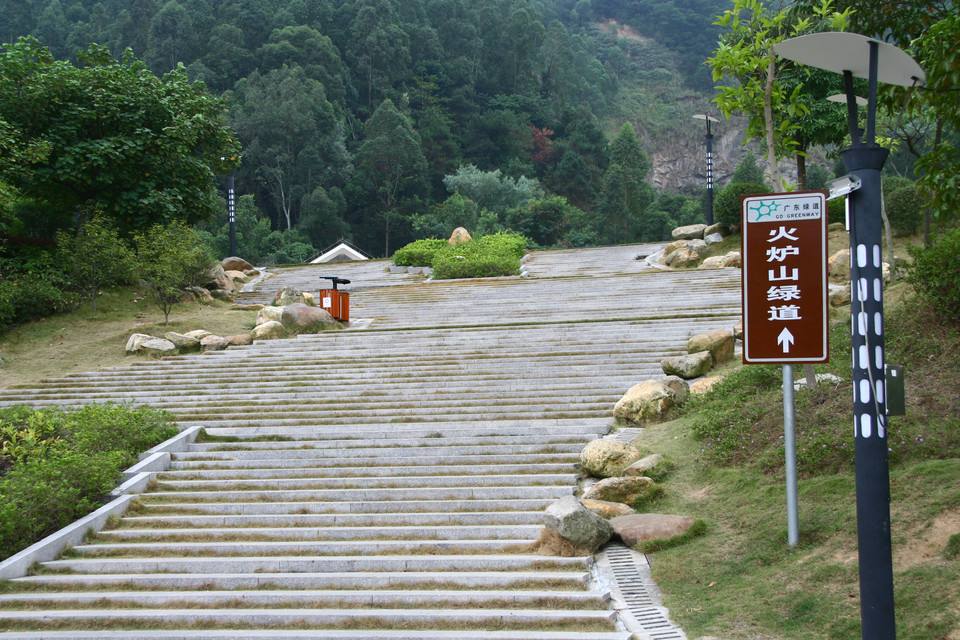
(854,55)
(232,206)
(709,205)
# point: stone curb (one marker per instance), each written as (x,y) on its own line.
(50,548)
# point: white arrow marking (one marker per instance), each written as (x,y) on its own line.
(785,339)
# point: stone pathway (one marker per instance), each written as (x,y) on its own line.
(377,483)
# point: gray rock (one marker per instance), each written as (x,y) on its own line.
(732,259)
(233,263)
(183,342)
(648,527)
(217,278)
(649,400)
(200,294)
(222,294)
(142,343)
(689,232)
(605,509)
(713,262)
(827,378)
(198,334)
(266,314)
(713,238)
(839,295)
(653,466)
(240,340)
(718,227)
(573,522)
(719,343)
(285,296)
(606,458)
(269,330)
(301,318)
(682,257)
(839,265)
(689,366)
(214,343)
(459,236)
(634,491)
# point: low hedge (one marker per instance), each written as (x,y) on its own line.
(419,253)
(498,254)
(935,274)
(58,466)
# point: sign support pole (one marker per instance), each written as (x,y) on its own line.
(790,451)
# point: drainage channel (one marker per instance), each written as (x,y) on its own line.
(635,597)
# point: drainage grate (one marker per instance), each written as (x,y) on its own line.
(627,574)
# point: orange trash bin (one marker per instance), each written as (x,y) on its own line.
(335,301)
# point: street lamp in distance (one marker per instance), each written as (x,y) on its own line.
(232,205)
(709,206)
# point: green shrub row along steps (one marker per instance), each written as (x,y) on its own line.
(493,255)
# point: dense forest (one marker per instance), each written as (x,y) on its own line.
(503,99)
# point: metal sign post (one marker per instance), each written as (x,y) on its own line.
(854,55)
(785,309)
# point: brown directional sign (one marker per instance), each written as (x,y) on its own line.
(785,278)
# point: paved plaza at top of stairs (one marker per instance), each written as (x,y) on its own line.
(385,482)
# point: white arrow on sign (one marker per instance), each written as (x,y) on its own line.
(785,339)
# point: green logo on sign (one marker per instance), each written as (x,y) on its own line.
(762,209)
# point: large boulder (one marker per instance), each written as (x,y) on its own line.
(285,296)
(269,330)
(713,262)
(142,343)
(713,238)
(692,365)
(459,236)
(606,510)
(578,525)
(226,295)
(301,318)
(638,528)
(649,400)
(233,263)
(702,385)
(217,278)
(183,342)
(689,232)
(635,491)
(198,334)
(240,340)
(268,314)
(839,294)
(308,299)
(718,227)
(607,458)
(719,343)
(683,257)
(732,259)
(214,343)
(200,294)
(839,264)
(236,276)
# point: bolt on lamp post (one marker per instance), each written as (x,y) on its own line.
(851,55)
(709,137)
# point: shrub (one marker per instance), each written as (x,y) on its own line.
(61,465)
(837,210)
(95,257)
(726,205)
(419,253)
(905,210)
(37,291)
(170,258)
(935,275)
(490,256)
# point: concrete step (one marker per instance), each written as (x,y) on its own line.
(287,548)
(384,481)
(328,634)
(513,580)
(379,463)
(279,532)
(369,472)
(319,599)
(340,521)
(386,451)
(365,495)
(347,506)
(390,441)
(301,564)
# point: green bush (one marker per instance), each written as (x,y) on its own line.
(837,210)
(726,206)
(419,253)
(61,465)
(490,256)
(905,210)
(935,275)
(34,294)
(170,258)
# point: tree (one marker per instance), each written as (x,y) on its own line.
(492,190)
(109,136)
(172,38)
(626,195)
(171,257)
(391,161)
(95,257)
(748,170)
(779,112)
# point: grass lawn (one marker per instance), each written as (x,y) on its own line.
(84,340)
(740,580)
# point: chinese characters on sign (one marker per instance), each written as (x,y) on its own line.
(785,278)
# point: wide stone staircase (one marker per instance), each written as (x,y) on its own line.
(384,482)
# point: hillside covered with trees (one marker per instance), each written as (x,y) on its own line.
(323,96)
